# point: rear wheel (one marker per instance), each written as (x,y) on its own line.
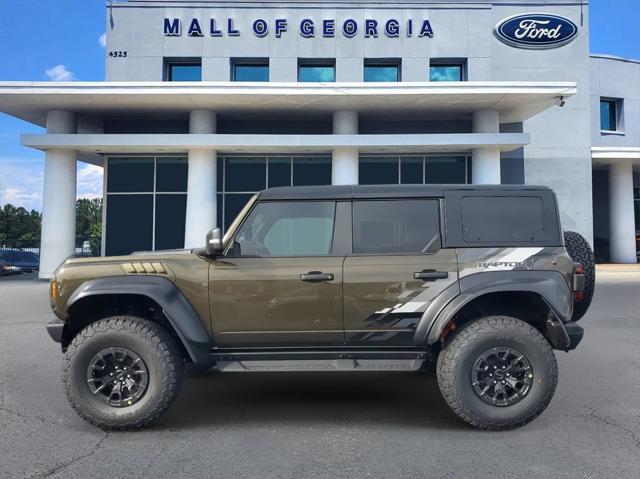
(581,252)
(497,373)
(122,372)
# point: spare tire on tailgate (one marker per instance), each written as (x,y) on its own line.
(580,252)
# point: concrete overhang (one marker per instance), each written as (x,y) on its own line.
(607,155)
(228,143)
(515,101)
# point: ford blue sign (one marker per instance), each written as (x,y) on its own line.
(537,31)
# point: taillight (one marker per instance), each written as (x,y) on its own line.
(579,269)
(578,295)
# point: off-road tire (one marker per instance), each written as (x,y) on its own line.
(461,350)
(153,344)
(580,252)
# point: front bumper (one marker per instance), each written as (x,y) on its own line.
(55,328)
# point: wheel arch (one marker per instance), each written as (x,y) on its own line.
(151,297)
(541,298)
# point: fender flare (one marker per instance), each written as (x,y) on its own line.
(549,285)
(175,306)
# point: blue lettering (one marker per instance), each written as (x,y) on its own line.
(172,28)
(426,30)
(232,32)
(349,28)
(306,28)
(213,31)
(281,26)
(328,28)
(194,28)
(260,28)
(392,28)
(370,28)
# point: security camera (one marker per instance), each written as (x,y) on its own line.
(560,101)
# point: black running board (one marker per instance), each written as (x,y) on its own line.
(323,360)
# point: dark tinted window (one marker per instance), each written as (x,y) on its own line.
(311,171)
(398,226)
(129,223)
(411,171)
(502,219)
(287,229)
(445,170)
(171,174)
(129,175)
(170,218)
(279,172)
(378,171)
(245,174)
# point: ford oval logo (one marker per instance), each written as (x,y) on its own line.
(536,31)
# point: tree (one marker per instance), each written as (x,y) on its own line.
(16,223)
(88,214)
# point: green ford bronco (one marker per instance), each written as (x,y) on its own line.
(477,282)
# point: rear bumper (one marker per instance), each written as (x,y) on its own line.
(54,328)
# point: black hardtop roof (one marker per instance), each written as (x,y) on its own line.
(384,191)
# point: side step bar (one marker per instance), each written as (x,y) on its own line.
(281,361)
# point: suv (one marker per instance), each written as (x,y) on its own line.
(473,280)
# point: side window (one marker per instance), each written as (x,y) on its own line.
(502,219)
(396,226)
(286,229)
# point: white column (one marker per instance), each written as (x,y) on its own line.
(58,233)
(622,242)
(201,183)
(485,161)
(344,168)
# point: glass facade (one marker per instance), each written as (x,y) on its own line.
(316,72)
(608,115)
(381,72)
(183,71)
(250,71)
(446,72)
(140,190)
(239,177)
(388,170)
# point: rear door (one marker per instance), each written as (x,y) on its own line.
(396,268)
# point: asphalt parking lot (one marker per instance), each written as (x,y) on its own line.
(291,425)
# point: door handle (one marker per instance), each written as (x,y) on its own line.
(316,276)
(430,275)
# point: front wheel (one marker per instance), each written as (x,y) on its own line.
(122,372)
(497,373)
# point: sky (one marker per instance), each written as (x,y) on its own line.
(63,40)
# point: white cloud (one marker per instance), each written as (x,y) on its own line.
(89,181)
(102,40)
(21,182)
(59,73)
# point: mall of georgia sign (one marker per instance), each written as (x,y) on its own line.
(536,31)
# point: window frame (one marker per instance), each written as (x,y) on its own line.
(382,62)
(249,62)
(431,251)
(338,218)
(317,62)
(618,116)
(171,62)
(449,62)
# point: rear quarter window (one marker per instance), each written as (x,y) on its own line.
(503,219)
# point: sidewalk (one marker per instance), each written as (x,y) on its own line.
(626,271)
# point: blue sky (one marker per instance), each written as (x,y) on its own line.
(60,40)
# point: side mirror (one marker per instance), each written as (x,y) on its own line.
(214,245)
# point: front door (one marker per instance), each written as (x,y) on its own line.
(279,284)
(396,269)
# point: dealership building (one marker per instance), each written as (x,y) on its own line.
(207,102)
